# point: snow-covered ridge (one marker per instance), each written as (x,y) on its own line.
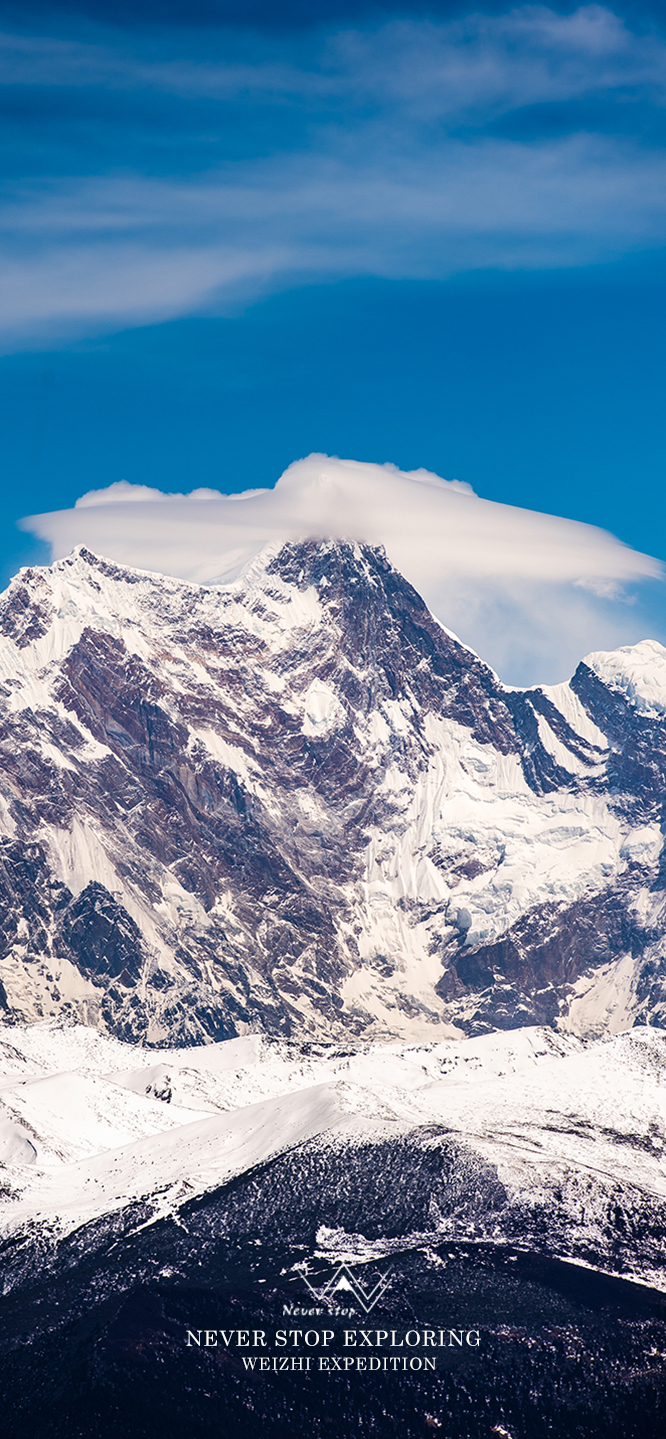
(82,1138)
(638,672)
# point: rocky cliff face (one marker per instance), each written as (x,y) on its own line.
(299,804)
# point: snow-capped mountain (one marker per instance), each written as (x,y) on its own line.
(297,804)
(316,945)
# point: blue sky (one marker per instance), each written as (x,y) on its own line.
(236,233)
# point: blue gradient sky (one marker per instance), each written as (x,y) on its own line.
(426,235)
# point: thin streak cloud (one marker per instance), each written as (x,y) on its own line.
(530,54)
(127,251)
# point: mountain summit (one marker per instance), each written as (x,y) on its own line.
(298,804)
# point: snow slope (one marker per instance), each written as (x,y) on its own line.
(575,1132)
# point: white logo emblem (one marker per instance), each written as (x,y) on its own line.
(345,1279)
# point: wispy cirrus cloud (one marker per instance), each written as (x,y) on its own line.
(386,152)
(28,60)
(481,66)
(530,54)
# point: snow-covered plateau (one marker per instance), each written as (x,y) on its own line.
(532,1137)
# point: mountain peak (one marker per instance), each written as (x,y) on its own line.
(296,803)
(637,672)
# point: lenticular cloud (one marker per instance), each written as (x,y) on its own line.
(530,592)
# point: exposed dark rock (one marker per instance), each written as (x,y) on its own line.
(102,936)
(523,977)
(636,768)
(25,609)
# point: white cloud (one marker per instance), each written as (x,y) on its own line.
(530,592)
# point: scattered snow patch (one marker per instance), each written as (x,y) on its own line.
(323,711)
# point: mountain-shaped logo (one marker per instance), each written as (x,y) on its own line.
(344,1279)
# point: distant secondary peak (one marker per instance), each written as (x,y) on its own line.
(638,672)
